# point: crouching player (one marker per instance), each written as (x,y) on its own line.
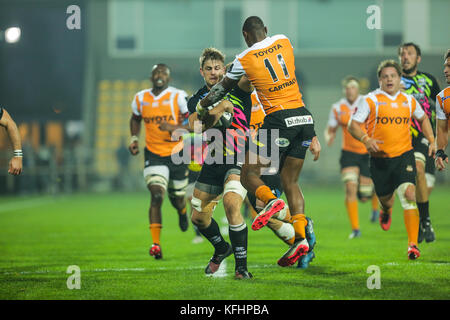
(388,112)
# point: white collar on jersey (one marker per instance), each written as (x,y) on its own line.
(354,104)
(387,94)
(160,94)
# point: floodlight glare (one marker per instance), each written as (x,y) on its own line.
(12,35)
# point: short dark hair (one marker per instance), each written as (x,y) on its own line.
(211,54)
(447,54)
(160,65)
(253,23)
(387,64)
(410,44)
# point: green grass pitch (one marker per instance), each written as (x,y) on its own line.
(107,236)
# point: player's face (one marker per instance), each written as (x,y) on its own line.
(447,70)
(409,59)
(351,92)
(160,77)
(390,80)
(212,71)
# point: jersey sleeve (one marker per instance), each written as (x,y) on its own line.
(332,120)
(435,89)
(362,111)
(418,111)
(135,104)
(192,103)
(1,113)
(236,70)
(439,110)
(182,101)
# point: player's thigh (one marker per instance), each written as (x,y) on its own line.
(383,177)
(290,171)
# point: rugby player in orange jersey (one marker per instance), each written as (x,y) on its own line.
(269,64)
(443,117)
(354,159)
(6,121)
(160,107)
(388,113)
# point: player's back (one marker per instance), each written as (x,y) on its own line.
(270,66)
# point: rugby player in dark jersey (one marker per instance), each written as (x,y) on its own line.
(424,87)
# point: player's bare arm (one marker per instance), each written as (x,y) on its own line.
(217,92)
(442,142)
(15,164)
(354,127)
(135,128)
(428,133)
(330,135)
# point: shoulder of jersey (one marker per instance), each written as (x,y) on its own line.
(262,44)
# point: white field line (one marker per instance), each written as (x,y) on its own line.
(219,274)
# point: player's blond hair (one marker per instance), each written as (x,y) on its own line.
(447,54)
(211,54)
(387,64)
(345,82)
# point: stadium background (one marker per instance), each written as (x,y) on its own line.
(70,90)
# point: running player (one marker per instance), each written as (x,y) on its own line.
(424,87)
(219,177)
(160,107)
(6,121)
(269,64)
(388,113)
(354,156)
(443,117)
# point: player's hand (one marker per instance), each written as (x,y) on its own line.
(329,137)
(431,150)
(164,126)
(372,145)
(15,166)
(441,159)
(134,148)
(315,148)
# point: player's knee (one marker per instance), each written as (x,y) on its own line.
(407,194)
(157,198)
(235,187)
(365,192)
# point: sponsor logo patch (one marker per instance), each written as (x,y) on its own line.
(282,142)
(298,121)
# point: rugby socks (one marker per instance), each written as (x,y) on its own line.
(375,204)
(423,210)
(411,217)
(238,237)
(155,231)
(264,194)
(352,210)
(299,223)
(182,211)
(212,233)
(285,232)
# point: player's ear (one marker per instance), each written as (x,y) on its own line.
(201,72)
(419,58)
(265,30)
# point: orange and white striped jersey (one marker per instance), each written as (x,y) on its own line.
(168,106)
(443,105)
(340,114)
(388,120)
(270,67)
(257,116)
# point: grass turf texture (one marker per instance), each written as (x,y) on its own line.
(107,236)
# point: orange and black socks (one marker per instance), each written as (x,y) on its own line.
(264,194)
(352,210)
(411,217)
(299,222)
(155,231)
